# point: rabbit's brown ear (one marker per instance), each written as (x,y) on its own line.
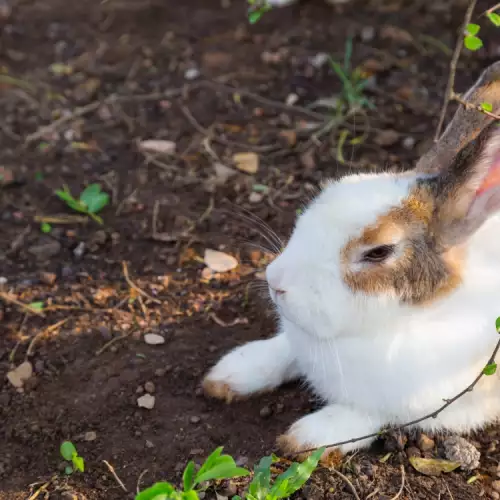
(467,123)
(468,192)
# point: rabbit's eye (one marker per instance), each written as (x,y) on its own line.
(379,254)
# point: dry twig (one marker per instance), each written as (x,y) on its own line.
(115,475)
(434,414)
(459,99)
(132,285)
(49,329)
(453,67)
(6,297)
(400,492)
(347,481)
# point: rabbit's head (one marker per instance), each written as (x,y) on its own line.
(371,245)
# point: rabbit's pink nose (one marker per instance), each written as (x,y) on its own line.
(274,276)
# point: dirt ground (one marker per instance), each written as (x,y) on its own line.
(195,73)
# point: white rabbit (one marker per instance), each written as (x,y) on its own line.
(387,292)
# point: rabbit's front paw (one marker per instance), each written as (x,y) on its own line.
(332,424)
(252,368)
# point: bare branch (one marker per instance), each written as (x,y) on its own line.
(434,414)
(453,67)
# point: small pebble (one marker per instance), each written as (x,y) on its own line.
(90,436)
(149,444)
(319,60)
(192,74)
(195,419)
(149,387)
(265,412)
(409,143)
(425,443)
(3,280)
(255,197)
(153,339)
(367,33)
(79,250)
(458,449)
(147,401)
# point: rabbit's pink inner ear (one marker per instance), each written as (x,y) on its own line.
(492,178)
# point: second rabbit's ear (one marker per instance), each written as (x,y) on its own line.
(467,124)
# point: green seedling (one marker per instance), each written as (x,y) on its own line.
(216,466)
(286,484)
(353,82)
(45,227)
(37,306)
(90,202)
(69,453)
(256,9)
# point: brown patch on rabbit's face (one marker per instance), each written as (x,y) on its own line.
(415,272)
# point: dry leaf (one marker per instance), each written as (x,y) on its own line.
(433,466)
(158,146)
(219,262)
(153,339)
(246,162)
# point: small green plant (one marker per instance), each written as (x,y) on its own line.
(90,202)
(69,453)
(216,466)
(353,82)
(285,484)
(37,306)
(256,9)
(45,227)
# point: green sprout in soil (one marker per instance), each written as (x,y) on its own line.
(216,466)
(353,81)
(220,467)
(69,453)
(256,9)
(90,202)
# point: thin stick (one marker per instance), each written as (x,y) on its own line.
(131,284)
(34,340)
(348,482)
(139,480)
(12,354)
(453,67)
(458,98)
(62,219)
(108,344)
(51,127)
(113,473)
(25,307)
(400,492)
(226,142)
(40,490)
(434,414)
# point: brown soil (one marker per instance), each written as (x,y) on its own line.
(141,50)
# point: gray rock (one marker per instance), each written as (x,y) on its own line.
(458,449)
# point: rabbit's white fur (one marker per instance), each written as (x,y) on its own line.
(374,360)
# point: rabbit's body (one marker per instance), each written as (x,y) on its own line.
(387,293)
